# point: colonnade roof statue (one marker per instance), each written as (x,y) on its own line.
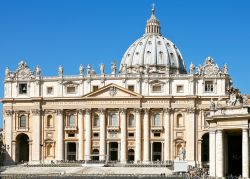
(153,53)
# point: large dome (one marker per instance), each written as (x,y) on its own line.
(153,52)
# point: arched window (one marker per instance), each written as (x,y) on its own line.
(131,120)
(71,120)
(49,121)
(179,121)
(49,150)
(96,121)
(113,119)
(22,121)
(156,120)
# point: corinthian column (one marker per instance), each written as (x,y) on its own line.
(123,136)
(219,154)
(59,119)
(36,134)
(138,135)
(80,125)
(212,153)
(88,134)
(146,136)
(102,135)
(245,154)
(167,134)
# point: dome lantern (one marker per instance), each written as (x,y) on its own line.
(153,24)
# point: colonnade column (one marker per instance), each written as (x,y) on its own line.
(36,135)
(138,135)
(212,153)
(80,125)
(102,135)
(245,154)
(146,136)
(88,134)
(219,154)
(167,134)
(59,150)
(123,136)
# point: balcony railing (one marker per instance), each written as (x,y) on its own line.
(70,128)
(113,128)
(23,128)
(157,128)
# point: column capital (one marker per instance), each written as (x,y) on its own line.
(36,112)
(219,130)
(167,110)
(88,110)
(9,112)
(80,111)
(138,110)
(59,111)
(245,129)
(191,110)
(146,110)
(102,110)
(123,110)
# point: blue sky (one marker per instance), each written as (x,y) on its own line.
(69,33)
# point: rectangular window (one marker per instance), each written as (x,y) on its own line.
(130,134)
(157,134)
(209,86)
(71,135)
(95,134)
(156,88)
(23,88)
(131,88)
(179,88)
(95,88)
(50,90)
(71,89)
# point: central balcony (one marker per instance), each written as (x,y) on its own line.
(157,128)
(70,129)
(113,128)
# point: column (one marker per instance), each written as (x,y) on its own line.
(245,154)
(102,135)
(119,151)
(81,129)
(191,144)
(167,134)
(10,154)
(151,151)
(162,151)
(219,154)
(138,135)
(107,159)
(59,142)
(36,135)
(88,134)
(146,136)
(212,153)
(123,136)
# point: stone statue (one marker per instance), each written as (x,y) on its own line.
(191,68)
(199,70)
(38,71)
(113,68)
(7,72)
(245,100)
(147,69)
(182,153)
(88,69)
(225,69)
(212,104)
(81,70)
(102,69)
(60,70)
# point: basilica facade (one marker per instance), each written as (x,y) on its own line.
(147,109)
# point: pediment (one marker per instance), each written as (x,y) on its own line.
(112,91)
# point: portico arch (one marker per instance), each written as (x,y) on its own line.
(22,147)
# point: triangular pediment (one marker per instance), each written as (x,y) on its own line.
(112,91)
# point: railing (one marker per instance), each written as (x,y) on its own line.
(70,128)
(113,128)
(157,128)
(23,128)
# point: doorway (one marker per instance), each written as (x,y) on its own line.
(95,155)
(205,148)
(157,151)
(113,151)
(22,148)
(131,155)
(71,152)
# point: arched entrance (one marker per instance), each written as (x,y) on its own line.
(131,155)
(113,151)
(95,154)
(156,151)
(205,149)
(22,148)
(71,152)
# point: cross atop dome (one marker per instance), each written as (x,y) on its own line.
(153,24)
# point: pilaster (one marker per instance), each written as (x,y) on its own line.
(146,136)
(102,135)
(88,134)
(123,136)
(81,129)
(60,136)
(167,134)
(36,134)
(138,135)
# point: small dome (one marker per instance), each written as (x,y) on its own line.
(153,52)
